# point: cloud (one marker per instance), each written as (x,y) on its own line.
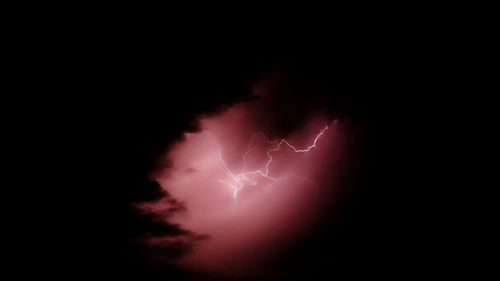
(212,230)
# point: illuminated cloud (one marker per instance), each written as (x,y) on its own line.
(245,194)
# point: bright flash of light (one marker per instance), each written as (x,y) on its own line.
(240,180)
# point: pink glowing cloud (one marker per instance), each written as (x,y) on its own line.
(248,194)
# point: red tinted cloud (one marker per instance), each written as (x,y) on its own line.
(244,229)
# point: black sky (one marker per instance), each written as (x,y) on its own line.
(127,97)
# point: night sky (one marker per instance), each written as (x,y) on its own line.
(131,97)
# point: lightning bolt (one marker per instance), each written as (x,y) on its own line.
(240,180)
